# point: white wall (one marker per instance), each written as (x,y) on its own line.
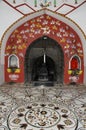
(1,73)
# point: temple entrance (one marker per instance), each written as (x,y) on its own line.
(44,62)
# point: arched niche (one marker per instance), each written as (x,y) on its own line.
(13,61)
(75,62)
(34,65)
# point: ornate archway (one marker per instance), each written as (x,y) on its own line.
(23,38)
(44,62)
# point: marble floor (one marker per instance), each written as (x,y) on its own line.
(42,108)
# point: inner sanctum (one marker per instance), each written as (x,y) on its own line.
(44,62)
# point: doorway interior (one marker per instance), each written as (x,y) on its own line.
(44,62)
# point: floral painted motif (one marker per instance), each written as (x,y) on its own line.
(28,32)
(45,25)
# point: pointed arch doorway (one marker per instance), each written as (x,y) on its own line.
(44,62)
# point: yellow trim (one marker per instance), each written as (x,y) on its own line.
(9,70)
(16,71)
(69,71)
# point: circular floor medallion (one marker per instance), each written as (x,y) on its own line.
(42,117)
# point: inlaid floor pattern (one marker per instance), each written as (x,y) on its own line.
(42,108)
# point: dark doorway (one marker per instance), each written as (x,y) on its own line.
(43,71)
(44,62)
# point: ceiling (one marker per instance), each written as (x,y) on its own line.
(12,10)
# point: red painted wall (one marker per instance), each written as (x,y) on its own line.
(24,35)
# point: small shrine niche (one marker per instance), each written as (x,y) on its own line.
(13,62)
(75,63)
(75,66)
